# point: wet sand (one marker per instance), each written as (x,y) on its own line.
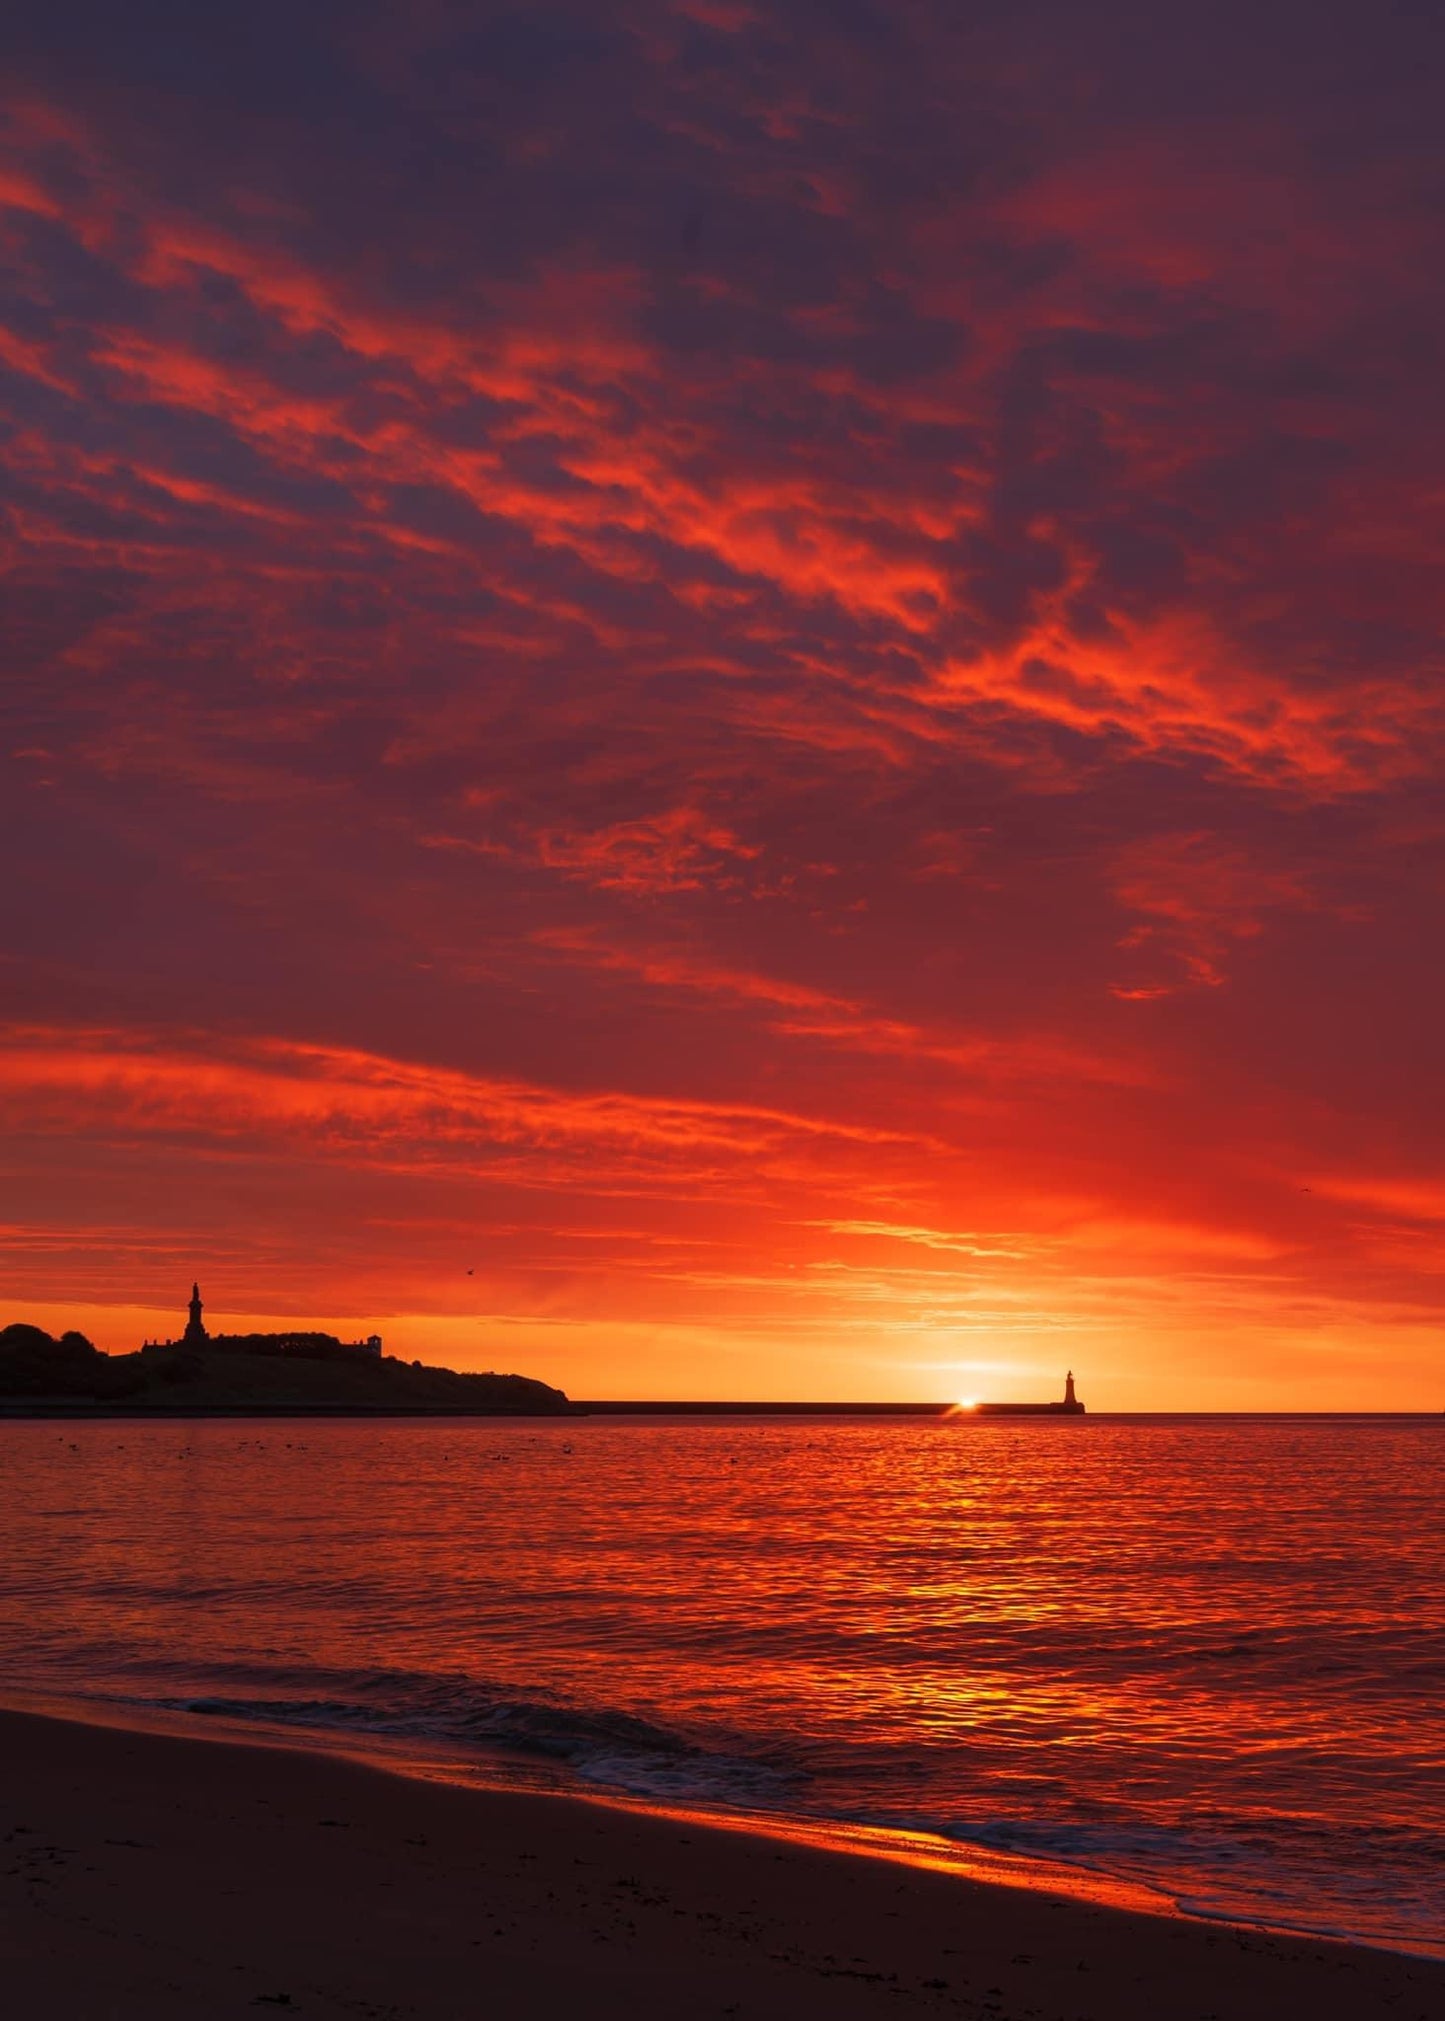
(147,1875)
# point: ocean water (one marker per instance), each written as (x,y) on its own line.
(1203,1656)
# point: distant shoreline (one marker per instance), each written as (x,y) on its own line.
(84,1409)
(246,1375)
(80,1407)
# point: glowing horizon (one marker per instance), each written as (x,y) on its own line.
(736,707)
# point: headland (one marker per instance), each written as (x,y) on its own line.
(201,1374)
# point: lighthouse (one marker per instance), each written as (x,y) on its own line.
(195,1334)
(1071,1402)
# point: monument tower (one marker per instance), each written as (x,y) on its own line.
(195,1334)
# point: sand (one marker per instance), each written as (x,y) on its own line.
(148,1875)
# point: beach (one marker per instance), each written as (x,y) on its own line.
(151,1875)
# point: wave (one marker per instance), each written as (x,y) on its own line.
(1370,1882)
(611,1749)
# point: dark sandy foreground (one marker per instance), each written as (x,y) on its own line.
(143,1875)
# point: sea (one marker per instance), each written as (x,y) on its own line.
(1200,1659)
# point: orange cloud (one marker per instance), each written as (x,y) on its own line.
(1414,1199)
(346,1102)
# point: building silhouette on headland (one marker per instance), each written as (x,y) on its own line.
(305,1346)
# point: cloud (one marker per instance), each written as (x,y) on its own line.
(1050,563)
(272,1094)
(1413,1199)
(1195,894)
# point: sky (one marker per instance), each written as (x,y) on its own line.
(721,700)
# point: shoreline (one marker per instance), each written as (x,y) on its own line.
(497,1772)
(156,1873)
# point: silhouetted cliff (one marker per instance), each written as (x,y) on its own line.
(312,1372)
